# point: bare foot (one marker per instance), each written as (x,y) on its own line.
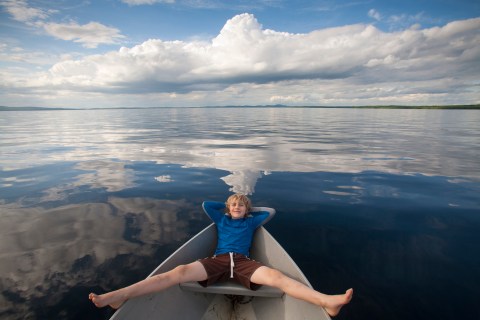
(336,302)
(103,300)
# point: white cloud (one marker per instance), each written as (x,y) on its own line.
(404,21)
(244,52)
(372,13)
(19,55)
(246,64)
(90,35)
(20,11)
(289,99)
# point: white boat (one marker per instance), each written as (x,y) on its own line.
(227,300)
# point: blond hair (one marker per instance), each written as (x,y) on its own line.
(240,198)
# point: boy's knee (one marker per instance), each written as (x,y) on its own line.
(180,272)
(274,276)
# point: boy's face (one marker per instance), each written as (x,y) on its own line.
(237,209)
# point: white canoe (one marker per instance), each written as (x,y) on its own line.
(227,300)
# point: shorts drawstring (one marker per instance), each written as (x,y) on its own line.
(231,264)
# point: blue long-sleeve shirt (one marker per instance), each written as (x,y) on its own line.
(234,235)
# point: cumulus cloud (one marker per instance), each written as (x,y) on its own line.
(334,65)
(244,52)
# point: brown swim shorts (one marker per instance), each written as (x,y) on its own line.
(219,269)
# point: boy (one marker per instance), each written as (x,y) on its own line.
(231,259)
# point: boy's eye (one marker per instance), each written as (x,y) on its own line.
(237,204)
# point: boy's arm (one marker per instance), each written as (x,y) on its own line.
(214,210)
(263,212)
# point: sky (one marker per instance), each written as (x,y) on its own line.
(184,53)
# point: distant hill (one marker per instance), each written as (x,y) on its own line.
(458,107)
(3,108)
(454,107)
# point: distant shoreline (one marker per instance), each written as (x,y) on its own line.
(441,107)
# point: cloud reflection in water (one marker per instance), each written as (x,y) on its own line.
(99,192)
(39,245)
(249,141)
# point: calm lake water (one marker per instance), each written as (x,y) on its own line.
(384,201)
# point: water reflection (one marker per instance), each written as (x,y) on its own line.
(113,176)
(96,199)
(243,181)
(248,142)
(47,252)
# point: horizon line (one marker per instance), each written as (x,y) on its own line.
(448,106)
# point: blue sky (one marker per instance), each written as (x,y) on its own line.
(147,53)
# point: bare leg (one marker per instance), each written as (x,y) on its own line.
(183,273)
(274,278)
